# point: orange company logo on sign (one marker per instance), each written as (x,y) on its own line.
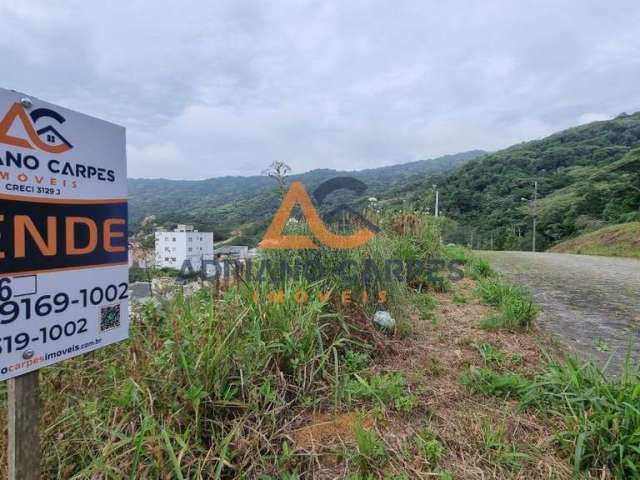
(47,138)
(275,239)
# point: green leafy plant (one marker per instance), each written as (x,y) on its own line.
(388,389)
(371,453)
(489,382)
(428,446)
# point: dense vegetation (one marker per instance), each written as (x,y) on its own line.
(242,206)
(588,177)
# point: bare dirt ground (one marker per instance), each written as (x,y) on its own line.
(483,437)
(591,304)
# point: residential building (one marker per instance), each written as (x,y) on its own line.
(183,243)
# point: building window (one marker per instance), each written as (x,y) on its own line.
(190,249)
(173,239)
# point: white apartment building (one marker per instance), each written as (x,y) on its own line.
(183,243)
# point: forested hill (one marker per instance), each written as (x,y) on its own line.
(588,177)
(244,205)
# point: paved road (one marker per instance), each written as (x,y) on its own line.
(591,303)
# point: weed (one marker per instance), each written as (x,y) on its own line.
(517,310)
(498,448)
(493,354)
(428,446)
(488,382)
(444,474)
(601,345)
(425,304)
(405,403)
(201,375)
(397,476)
(475,267)
(479,268)
(433,367)
(493,290)
(386,388)
(601,413)
(371,454)
(356,361)
(458,298)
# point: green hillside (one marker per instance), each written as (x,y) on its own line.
(614,241)
(588,177)
(243,205)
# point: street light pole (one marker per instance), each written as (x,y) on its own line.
(435,187)
(535,215)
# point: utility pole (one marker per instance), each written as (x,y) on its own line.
(535,215)
(435,187)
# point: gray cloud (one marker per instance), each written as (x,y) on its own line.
(224,88)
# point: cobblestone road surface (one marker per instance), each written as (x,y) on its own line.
(592,304)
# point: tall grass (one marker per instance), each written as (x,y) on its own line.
(208,385)
(516,308)
(201,390)
(601,414)
(475,267)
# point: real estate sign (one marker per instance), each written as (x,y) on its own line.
(63,234)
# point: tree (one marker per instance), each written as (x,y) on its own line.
(279,171)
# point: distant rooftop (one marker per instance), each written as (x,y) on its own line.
(184,228)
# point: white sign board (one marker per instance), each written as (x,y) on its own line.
(63,234)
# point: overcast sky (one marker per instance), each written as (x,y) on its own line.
(209,88)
